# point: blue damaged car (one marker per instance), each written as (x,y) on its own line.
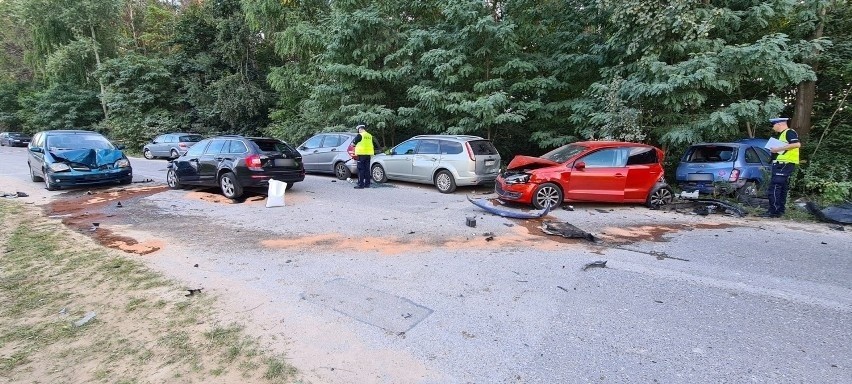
(70,158)
(724,168)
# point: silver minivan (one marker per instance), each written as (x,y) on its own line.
(446,161)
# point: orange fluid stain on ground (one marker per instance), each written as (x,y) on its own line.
(82,212)
(402,245)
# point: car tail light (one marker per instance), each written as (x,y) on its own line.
(253,162)
(469,151)
(735,175)
(182,145)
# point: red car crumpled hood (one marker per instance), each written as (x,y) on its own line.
(522,161)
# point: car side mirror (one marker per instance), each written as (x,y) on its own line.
(36,149)
(302,148)
(580,166)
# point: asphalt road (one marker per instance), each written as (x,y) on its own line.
(388,285)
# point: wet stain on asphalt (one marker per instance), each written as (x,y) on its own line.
(88,212)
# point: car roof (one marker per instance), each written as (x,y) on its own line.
(722,144)
(597,144)
(70,131)
(457,137)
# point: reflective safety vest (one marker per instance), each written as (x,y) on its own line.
(365,146)
(790,155)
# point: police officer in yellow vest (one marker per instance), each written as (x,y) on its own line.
(364,150)
(785,157)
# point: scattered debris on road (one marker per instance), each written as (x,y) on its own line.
(595,264)
(471,222)
(193,291)
(566,230)
(704,206)
(14,194)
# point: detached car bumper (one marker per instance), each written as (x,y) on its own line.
(79,178)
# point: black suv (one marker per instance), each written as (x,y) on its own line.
(236,162)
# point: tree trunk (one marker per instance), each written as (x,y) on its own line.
(806,91)
(98,66)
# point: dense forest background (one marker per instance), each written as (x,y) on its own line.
(528,74)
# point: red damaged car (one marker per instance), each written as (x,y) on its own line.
(594,171)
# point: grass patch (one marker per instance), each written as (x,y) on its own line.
(145,327)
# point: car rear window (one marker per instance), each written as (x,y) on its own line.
(190,139)
(274,146)
(710,154)
(482,147)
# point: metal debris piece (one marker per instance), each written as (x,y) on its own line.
(85,320)
(193,292)
(489,206)
(566,230)
(595,264)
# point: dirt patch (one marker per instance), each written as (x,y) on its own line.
(655,233)
(93,212)
(252,199)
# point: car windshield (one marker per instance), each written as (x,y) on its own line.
(190,139)
(562,154)
(78,141)
(710,154)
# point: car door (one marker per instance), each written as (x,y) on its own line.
(327,152)
(599,176)
(35,157)
(426,160)
(187,167)
(208,163)
(156,146)
(398,165)
(310,151)
(757,163)
(643,171)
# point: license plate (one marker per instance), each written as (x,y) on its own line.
(489,162)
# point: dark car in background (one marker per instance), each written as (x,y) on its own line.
(724,168)
(327,153)
(70,158)
(234,163)
(14,139)
(445,161)
(593,171)
(170,145)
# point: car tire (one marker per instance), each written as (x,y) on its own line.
(33,176)
(547,194)
(289,186)
(147,153)
(172,179)
(230,186)
(175,154)
(445,182)
(47,184)
(659,196)
(126,181)
(341,171)
(377,172)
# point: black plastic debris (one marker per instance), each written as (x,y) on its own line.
(471,222)
(489,236)
(193,292)
(595,264)
(841,214)
(704,206)
(566,230)
(118,204)
(22,194)
(568,207)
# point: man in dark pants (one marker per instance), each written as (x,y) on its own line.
(785,157)
(364,150)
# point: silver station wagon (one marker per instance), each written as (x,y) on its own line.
(446,161)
